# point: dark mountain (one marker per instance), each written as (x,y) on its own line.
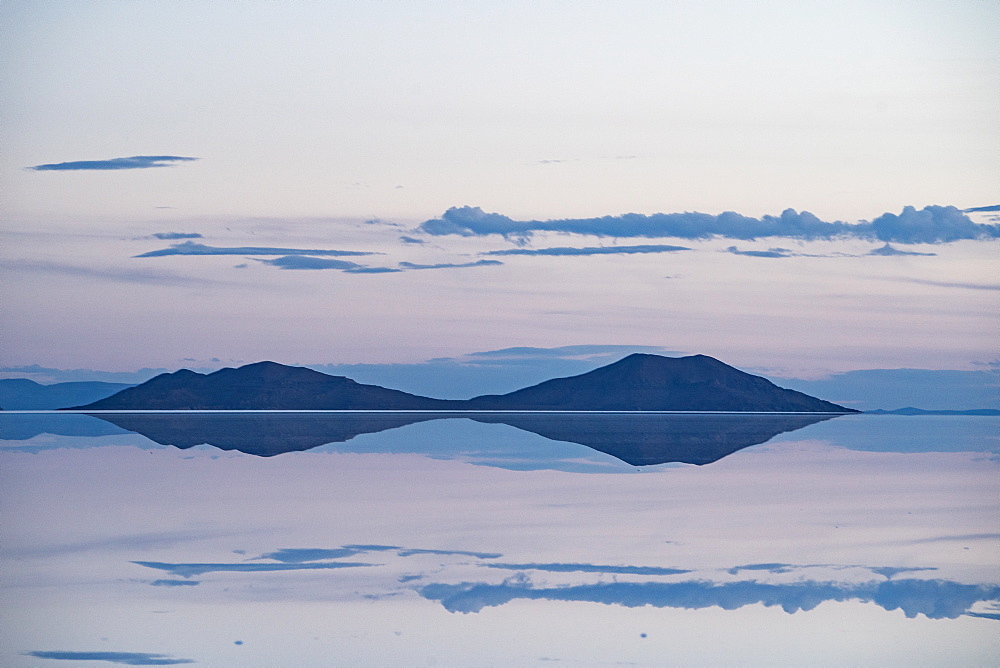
(261,386)
(642,382)
(637,383)
(21,394)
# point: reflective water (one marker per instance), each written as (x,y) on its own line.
(498,539)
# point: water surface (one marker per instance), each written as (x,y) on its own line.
(498,539)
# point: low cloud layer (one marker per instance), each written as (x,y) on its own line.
(770,252)
(192,248)
(598,250)
(449,265)
(134,162)
(932,224)
(890,251)
(143,276)
(307,262)
(167,236)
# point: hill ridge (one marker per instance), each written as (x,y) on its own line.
(638,382)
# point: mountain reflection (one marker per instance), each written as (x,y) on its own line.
(645,439)
(637,439)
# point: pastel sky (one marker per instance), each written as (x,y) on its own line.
(782,185)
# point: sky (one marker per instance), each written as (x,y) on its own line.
(782,185)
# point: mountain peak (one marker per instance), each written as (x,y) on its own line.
(645,382)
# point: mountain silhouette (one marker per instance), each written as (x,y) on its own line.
(642,382)
(22,394)
(639,382)
(261,386)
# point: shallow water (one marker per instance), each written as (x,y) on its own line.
(410,539)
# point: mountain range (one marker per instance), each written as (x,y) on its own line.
(638,382)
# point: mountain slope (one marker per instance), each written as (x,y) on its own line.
(22,394)
(261,386)
(642,382)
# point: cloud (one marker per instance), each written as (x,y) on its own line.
(951,284)
(975,209)
(446,265)
(935,599)
(46,375)
(890,251)
(373,270)
(296,555)
(601,250)
(176,235)
(932,224)
(192,248)
(487,372)
(409,552)
(591,568)
(141,276)
(561,353)
(771,252)
(192,570)
(307,262)
(122,658)
(135,162)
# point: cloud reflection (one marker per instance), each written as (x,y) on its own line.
(121,658)
(191,570)
(936,599)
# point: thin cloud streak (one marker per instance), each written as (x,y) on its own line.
(448,265)
(169,236)
(134,162)
(192,248)
(599,250)
(932,224)
(304,262)
(121,658)
(949,284)
(141,276)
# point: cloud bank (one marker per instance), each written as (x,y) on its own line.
(134,162)
(932,224)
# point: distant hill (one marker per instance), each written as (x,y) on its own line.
(638,382)
(643,382)
(21,394)
(261,386)
(909,410)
